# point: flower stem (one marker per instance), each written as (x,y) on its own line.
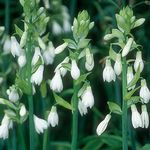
(75,118)
(124,107)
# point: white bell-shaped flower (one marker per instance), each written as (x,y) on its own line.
(61,48)
(145,117)
(63,70)
(56,28)
(89,64)
(103,125)
(127,47)
(40,124)
(87,97)
(8,121)
(53,118)
(22,111)
(7,46)
(13,94)
(139,62)
(37,76)
(108,72)
(56,83)
(144,92)
(118,65)
(130,77)
(136,117)
(22,61)
(15,47)
(49,54)
(82,108)
(75,72)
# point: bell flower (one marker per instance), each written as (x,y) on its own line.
(7,46)
(22,61)
(103,125)
(75,72)
(145,117)
(87,97)
(108,72)
(136,117)
(61,48)
(53,118)
(82,108)
(144,92)
(40,124)
(22,111)
(56,82)
(127,47)
(15,47)
(89,64)
(139,62)
(130,77)
(118,65)
(56,28)
(13,94)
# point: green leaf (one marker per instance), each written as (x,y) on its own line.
(18,31)
(66,65)
(11,114)
(115,108)
(112,53)
(82,78)
(60,101)
(7,103)
(129,94)
(135,79)
(71,43)
(133,100)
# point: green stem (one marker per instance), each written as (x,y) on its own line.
(124,107)
(22,145)
(75,118)
(31,122)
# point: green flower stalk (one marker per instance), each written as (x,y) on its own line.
(123,39)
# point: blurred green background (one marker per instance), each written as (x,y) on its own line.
(102,12)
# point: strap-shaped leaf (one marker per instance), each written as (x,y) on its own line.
(112,53)
(135,78)
(82,78)
(60,101)
(115,108)
(7,103)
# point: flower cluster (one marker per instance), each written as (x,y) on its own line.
(119,51)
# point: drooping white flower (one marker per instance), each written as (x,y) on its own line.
(103,125)
(136,117)
(127,47)
(63,70)
(7,120)
(56,28)
(36,56)
(13,94)
(22,111)
(15,47)
(118,65)
(82,108)
(108,72)
(49,54)
(56,82)
(139,62)
(130,77)
(66,25)
(40,124)
(61,48)
(22,60)
(144,92)
(37,76)
(53,118)
(145,117)
(87,97)
(7,46)
(89,64)
(75,72)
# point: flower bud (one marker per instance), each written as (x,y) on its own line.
(130,76)
(136,117)
(118,65)
(23,39)
(22,60)
(138,62)
(22,111)
(127,47)
(75,72)
(61,48)
(144,92)
(103,125)
(108,72)
(89,64)
(13,94)
(145,117)
(139,22)
(53,118)
(41,43)
(108,37)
